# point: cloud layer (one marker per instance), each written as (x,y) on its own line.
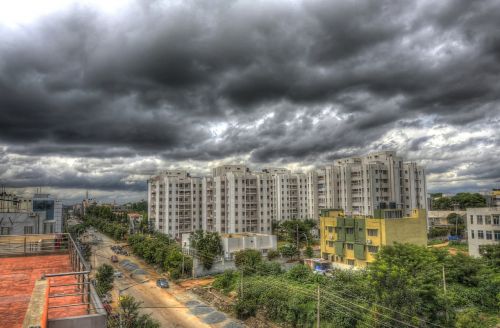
(93,100)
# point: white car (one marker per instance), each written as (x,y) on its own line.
(118,274)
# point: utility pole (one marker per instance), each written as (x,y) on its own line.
(297,226)
(446,298)
(317,311)
(182,250)
(241,284)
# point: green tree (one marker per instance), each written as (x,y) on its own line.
(141,206)
(442,203)
(129,316)
(226,281)
(491,253)
(293,230)
(472,318)
(468,200)
(309,252)
(454,218)
(208,246)
(144,224)
(289,250)
(463,200)
(104,278)
(299,272)
(247,260)
(406,277)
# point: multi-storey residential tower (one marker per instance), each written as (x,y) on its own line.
(175,202)
(360,185)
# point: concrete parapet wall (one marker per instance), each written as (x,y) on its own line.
(36,315)
(87,321)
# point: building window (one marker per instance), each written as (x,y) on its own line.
(372,249)
(497,234)
(496,219)
(350,231)
(28,230)
(472,219)
(487,219)
(372,232)
(479,219)
(4,231)
(350,262)
(350,246)
(480,234)
(489,235)
(472,234)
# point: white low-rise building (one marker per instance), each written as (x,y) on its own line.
(235,242)
(483,228)
(232,243)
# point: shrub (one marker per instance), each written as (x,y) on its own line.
(272,254)
(268,269)
(247,260)
(245,308)
(226,281)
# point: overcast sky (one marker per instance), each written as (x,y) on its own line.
(99,95)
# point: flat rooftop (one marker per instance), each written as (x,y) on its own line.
(17,279)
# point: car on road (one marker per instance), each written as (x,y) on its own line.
(162,283)
(118,274)
(114,258)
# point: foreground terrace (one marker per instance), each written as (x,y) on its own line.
(44,282)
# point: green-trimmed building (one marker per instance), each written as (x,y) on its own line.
(354,241)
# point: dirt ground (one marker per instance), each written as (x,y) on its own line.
(196,282)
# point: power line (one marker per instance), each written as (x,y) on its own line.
(364,308)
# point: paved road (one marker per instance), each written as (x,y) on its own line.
(167,309)
(173,307)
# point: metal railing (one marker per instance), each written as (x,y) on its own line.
(60,243)
(28,245)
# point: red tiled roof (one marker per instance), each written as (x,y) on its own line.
(17,279)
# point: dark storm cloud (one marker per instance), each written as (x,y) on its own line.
(275,81)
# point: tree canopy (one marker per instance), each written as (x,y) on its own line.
(208,246)
(402,287)
(463,200)
(130,317)
(293,230)
(104,278)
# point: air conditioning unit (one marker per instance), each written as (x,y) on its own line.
(368,241)
(32,214)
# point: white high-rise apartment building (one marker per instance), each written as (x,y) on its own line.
(235,200)
(359,185)
(175,202)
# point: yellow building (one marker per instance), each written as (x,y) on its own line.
(354,241)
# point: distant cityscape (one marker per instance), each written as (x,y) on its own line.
(351,211)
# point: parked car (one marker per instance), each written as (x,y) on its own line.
(119,250)
(162,283)
(118,274)
(114,258)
